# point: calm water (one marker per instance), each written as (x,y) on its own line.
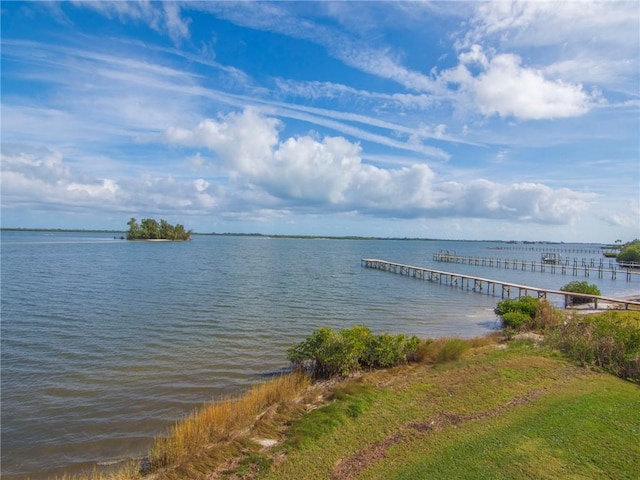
(105,343)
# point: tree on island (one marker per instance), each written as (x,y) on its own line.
(150,229)
(630,252)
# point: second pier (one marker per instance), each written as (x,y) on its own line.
(574,269)
(488,286)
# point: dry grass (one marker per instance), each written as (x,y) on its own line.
(441,350)
(547,316)
(223,422)
(129,471)
(490,339)
(211,435)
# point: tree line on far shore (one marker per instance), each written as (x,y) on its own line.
(150,229)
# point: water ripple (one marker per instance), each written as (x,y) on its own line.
(106,343)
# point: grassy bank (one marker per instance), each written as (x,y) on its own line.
(496,413)
(481,408)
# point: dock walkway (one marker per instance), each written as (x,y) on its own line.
(488,286)
(550,248)
(574,268)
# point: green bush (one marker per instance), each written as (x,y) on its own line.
(609,340)
(384,351)
(327,353)
(324,349)
(580,287)
(515,320)
(526,305)
(630,252)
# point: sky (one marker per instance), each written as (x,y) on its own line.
(447,120)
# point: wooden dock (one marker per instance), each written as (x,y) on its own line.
(488,286)
(574,268)
(549,248)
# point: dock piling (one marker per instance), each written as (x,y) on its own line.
(577,268)
(485,285)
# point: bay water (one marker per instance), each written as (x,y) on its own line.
(106,343)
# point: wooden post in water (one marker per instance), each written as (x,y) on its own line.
(458,280)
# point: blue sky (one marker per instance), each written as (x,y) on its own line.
(404,119)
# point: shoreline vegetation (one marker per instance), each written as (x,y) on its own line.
(301,237)
(525,401)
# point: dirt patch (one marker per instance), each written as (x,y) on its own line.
(534,337)
(357,463)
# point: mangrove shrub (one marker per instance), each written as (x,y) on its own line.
(581,287)
(516,313)
(630,252)
(328,352)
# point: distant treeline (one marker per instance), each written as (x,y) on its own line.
(331,237)
(356,237)
(302,237)
(57,230)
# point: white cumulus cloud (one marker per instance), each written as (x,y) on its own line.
(530,202)
(43,179)
(240,140)
(498,84)
(328,173)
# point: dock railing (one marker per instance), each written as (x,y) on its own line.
(584,268)
(488,286)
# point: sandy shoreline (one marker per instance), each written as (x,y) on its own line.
(604,305)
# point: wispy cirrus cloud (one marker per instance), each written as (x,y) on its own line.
(522,23)
(94,92)
(163,17)
(505,86)
(329,90)
(499,25)
(104,90)
(351,50)
(573,41)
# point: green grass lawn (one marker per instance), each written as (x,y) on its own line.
(511,413)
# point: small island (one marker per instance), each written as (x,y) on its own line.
(150,229)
